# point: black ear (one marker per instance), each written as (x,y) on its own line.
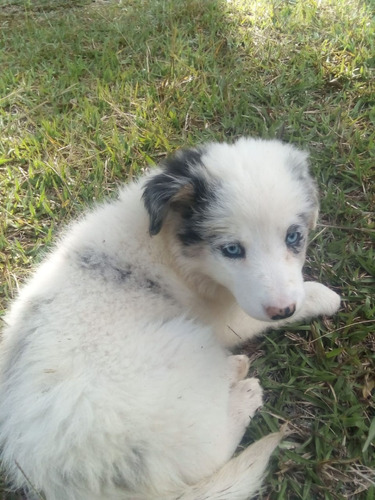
(176,188)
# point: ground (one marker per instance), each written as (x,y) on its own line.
(91,93)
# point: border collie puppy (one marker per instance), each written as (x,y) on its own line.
(116,378)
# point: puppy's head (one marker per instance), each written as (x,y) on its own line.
(239,214)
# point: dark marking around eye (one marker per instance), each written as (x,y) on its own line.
(294,238)
(189,236)
(233,250)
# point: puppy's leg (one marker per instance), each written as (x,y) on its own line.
(245,398)
(319,300)
(238,367)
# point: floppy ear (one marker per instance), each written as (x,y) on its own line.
(176,188)
(298,161)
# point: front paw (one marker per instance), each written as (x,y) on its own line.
(320,300)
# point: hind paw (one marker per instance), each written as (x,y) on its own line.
(246,398)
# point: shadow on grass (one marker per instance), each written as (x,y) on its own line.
(185,66)
(190,69)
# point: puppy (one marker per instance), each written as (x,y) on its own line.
(116,381)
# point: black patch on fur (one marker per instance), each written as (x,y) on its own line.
(184,187)
(189,236)
(152,285)
(106,268)
(137,470)
(103,265)
(158,289)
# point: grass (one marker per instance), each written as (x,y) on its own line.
(93,92)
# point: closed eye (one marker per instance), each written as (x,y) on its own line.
(233,251)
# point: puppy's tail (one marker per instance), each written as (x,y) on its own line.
(240,478)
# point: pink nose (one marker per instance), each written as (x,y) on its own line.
(276,313)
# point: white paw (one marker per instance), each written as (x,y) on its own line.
(319,300)
(238,367)
(245,398)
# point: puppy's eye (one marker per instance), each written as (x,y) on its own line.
(293,238)
(233,251)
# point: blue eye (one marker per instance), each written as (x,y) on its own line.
(293,238)
(233,251)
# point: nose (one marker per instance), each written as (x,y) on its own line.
(276,313)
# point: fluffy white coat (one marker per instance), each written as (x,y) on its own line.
(116,382)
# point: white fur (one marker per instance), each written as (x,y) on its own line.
(115,379)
